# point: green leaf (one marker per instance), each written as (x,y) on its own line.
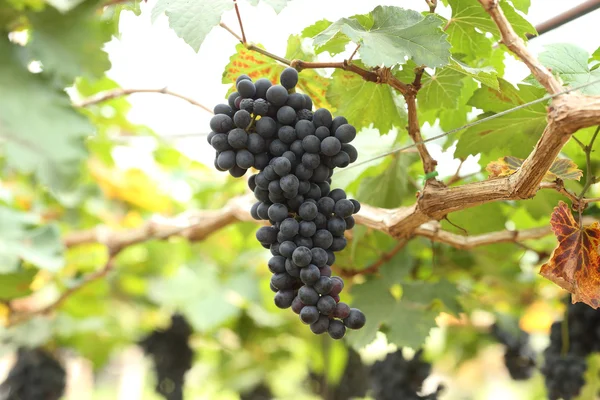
(470,22)
(16,284)
(440,90)
(571,64)
(486,75)
(70,45)
(394,36)
(49,141)
(21,239)
(192,20)
(515,133)
(364,103)
(64,5)
(336,45)
(481,219)
(408,320)
(387,185)
(521,5)
(277,5)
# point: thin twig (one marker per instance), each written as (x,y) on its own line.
(456,177)
(253,47)
(353,54)
(414,131)
(239,17)
(228,29)
(592,200)
(373,268)
(120,92)
(418,75)
(590,179)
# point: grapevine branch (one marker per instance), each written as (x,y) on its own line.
(120,92)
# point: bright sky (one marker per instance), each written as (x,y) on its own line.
(151,56)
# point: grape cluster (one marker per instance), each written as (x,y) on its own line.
(35,376)
(171,355)
(564,373)
(271,128)
(519,357)
(259,392)
(353,384)
(398,378)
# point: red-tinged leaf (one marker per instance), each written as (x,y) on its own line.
(575,262)
(257,65)
(561,168)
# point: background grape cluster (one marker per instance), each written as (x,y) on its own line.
(36,375)
(519,357)
(171,355)
(564,370)
(273,129)
(398,378)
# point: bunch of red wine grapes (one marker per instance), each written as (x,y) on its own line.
(519,357)
(35,376)
(172,356)
(564,371)
(395,377)
(271,128)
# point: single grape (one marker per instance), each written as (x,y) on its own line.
(307,228)
(231,101)
(277,148)
(308,295)
(310,274)
(326,271)
(341,160)
(277,264)
(246,88)
(305,128)
(345,133)
(320,326)
(322,117)
(326,205)
(282,167)
(297,305)
(307,102)
(311,161)
(278,212)
(262,85)
(303,241)
(277,95)
(291,268)
(323,239)
(244,159)
(338,285)
(322,133)
(338,244)
(247,105)
(342,310)
(303,173)
(223,109)
(219,142)
(237,138)
(355,319)
(295,100)
(266,127)
(311,144)
(337,122)
(254,211)
(226,159)
(319,257)
(330,146)
(287,248)
(344,208)
(289,183)
(221,123)
(284,298)
(266,234)
(283,281)
(289,78)
(263,210)
(336,329)
(302,256)
(286,115)
(351,151)
(326,304)
(242,78)
(309,314)
(286,134)
(323,285)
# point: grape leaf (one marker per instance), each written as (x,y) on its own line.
(192,20)
(470,22)
(521,5)
(257,65)
(571,64)
(70,45)
(515,133)
(407,320)
(575,262)
(49,141)
(364,103)
(22,239)
(392,35)
(596,54)
(440,90)
(277,5)
(335,45)
(486,75)
(16,284)
(561,168)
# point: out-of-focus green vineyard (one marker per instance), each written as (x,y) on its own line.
(96,255)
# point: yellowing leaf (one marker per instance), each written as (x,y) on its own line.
(575,263)
(132,186)
(561,168)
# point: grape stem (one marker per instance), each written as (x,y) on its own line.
(239,17)
(432,5)
(120,92)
